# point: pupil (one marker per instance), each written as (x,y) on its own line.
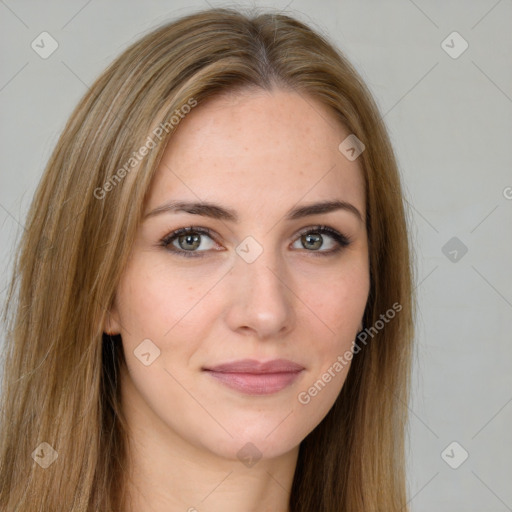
(190,239)
(312,239)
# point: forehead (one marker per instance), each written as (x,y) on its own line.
(258,147)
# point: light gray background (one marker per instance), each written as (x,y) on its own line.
(450,120)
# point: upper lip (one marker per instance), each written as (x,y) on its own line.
(254,366)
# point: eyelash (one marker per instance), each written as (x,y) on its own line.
(166,242)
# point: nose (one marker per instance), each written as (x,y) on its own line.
(261,299)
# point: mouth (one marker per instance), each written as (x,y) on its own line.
(256,378)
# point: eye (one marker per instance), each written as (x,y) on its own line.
(313,238)
(185,241)
(188,242)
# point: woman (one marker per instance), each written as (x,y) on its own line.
(221,217)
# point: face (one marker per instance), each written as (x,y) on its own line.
(250,280)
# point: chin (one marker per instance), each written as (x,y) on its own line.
(248,452)
(256,440)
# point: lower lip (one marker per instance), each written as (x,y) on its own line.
(256,384)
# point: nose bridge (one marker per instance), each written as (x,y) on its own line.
(261,298)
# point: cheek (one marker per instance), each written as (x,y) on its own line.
(340,299)
(154,299)
(340,305)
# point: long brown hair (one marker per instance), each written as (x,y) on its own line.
(60,382)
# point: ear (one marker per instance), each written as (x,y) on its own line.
(112,325)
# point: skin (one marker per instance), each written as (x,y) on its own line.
(260,154)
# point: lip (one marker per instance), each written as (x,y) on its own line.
(254,366)
(256,378)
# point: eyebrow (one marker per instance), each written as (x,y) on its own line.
(215,211)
